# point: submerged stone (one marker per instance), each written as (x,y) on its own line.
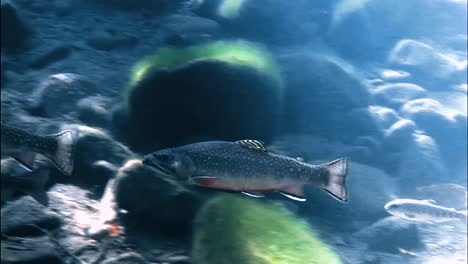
(221,90)
(234,229)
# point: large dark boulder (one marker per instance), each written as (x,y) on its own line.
(206,99)
(391,234)
(155,203)
(15,33)
(35,250)
(20,217)
(322,96)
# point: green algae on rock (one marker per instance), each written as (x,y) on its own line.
(234,52)
(234,229)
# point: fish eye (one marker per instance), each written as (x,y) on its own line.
(164,157)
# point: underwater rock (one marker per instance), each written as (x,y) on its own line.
(446,194)
(17,250)
(183,24)
(15,33)
(95,145)
(420,163)
(221,90)
(139,5)
(20,217)
(106,41)
(390,234)
(388,74)
(369,190)
(234,229)
(383,116)
(431,116)
(184,40)
(57,95)
(366,30)
(94,111)
(396,94)
(126,258)
(155,203)
(400,134)
(330,86)
(54,55)
(271,23)
(439,121)
(427,62)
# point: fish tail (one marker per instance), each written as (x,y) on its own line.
(63,157)
(335,181)
(463,215)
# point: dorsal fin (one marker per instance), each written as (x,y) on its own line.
(430,201)
(253,144)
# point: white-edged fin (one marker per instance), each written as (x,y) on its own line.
(430,201)
(254,194)
(300,159)
(25,159)
(293,197)
(295,192)
(253,144)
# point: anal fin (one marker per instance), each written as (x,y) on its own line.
(294,192)
(255,194)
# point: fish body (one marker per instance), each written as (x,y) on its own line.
(22,145)
(17,181)
(423,210)
(247,166)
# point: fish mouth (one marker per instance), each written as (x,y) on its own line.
(155,165)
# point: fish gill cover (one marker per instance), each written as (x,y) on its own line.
(232,229)
(235,52)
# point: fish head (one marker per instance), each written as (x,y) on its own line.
(396,208)
(404,208)
(173,162)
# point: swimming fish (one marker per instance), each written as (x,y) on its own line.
(17,181)
(22,145)
(247,166)
(423,210)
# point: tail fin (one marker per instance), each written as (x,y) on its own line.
(463,215)
(64,155)
(336,179)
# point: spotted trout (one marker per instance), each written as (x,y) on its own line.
(247,166)
(423,210)
(22,145)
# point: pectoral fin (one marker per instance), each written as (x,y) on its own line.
(294,192)
(26,159)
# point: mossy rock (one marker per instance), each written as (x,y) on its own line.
(234,229)
(216,91)
(233,52)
